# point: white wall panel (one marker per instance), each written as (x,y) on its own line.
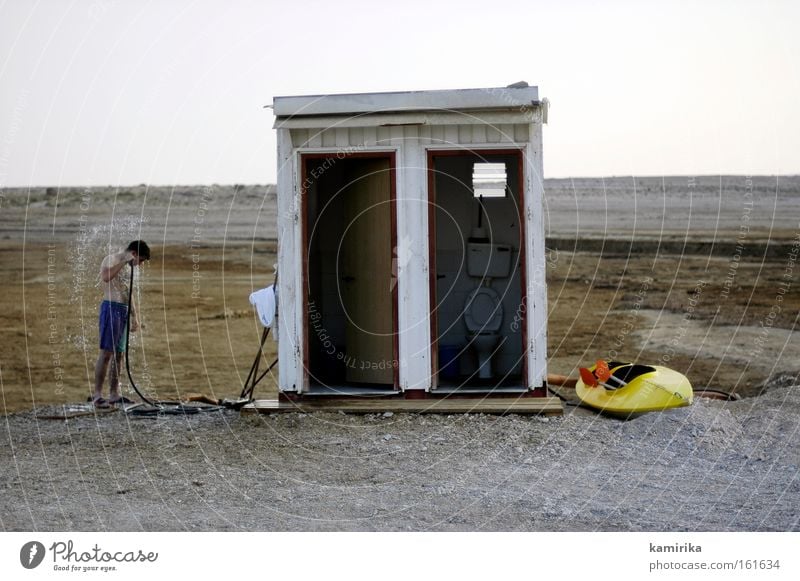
(289,276)
(412,263)
(536,264)
(329,138)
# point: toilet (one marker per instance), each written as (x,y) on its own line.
(483,310)
(483,316)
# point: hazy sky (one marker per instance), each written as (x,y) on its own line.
(172,91)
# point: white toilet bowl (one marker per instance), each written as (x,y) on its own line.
(483,316)
(484,344)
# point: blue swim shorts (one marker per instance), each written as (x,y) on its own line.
(113,319)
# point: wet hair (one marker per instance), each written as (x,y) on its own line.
(141,248)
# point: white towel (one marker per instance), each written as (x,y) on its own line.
(264,302)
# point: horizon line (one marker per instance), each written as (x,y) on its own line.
(253,184)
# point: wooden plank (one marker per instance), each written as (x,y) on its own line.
(478,133)
(356,136)
(535,260)
(370,136)
(409,118)
(464,134)
(450,405)
(448,99)
(412,268)
(396,136)
(437,135)
(289,256)
(314,138)
(425,134)
(384,136)
(506,133)
(451,135)
(329,138)
(299,137)
(410,134)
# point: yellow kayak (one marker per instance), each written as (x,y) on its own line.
(634,389)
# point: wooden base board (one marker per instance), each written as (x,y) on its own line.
(476,405)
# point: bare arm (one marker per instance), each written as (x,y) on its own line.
(115,264)
(133,317)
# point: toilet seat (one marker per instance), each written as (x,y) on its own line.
(483,311)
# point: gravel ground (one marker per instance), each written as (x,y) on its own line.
(715,466)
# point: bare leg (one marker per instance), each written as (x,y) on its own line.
(113,377)
(100,370)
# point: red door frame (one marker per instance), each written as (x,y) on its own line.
(432,155)
(341,155)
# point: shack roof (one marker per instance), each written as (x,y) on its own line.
(495,98)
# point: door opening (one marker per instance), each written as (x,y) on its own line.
(477,282)
(349,278)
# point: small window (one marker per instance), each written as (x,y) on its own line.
(489,180)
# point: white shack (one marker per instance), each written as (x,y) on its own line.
(411,242)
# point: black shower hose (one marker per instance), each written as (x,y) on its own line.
(156,407)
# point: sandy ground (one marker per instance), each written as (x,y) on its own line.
(716,297)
